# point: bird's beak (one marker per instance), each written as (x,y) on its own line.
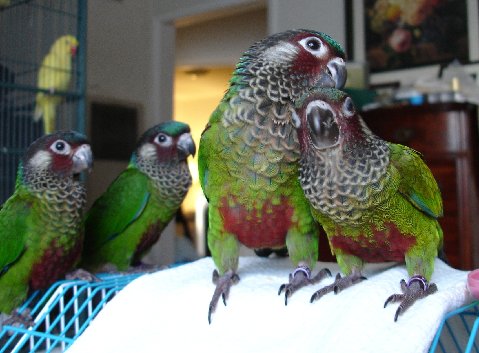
(322,127)
(337,68)
(82,159)
(73,50)
(186,145)
(335,75)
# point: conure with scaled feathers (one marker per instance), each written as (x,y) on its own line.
(249,152)
(41,232)
(129,217)
(377,201)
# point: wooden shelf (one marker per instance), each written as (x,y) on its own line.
(447,136)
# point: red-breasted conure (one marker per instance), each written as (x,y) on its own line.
(377,201)
(128,218)
(249,152)
(41,232)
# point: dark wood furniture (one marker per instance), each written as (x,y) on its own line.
(447,136)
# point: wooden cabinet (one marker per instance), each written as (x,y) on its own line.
(447,136)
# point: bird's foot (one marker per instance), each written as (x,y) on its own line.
(339,284)
(17,318)
(301,277)
(416,288)
(223,285)
(82,275)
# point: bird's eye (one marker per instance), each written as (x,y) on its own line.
(348,107)
(314,46)
(60,147)
(163,140)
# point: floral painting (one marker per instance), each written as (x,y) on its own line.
(407,33)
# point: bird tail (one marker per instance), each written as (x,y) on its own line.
(45,109)
(441,254)
(37,115)
(49,118)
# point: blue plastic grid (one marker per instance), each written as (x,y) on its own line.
(458,331)
(61,314)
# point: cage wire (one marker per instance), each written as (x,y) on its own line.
(28,29)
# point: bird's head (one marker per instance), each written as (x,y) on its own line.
(66,44)
(63,154)
(326,118)
(166,142)
(302,57)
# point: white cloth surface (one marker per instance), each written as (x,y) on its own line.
(167,311)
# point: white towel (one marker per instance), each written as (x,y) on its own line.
(167,312)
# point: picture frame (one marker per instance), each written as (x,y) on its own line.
(386,51)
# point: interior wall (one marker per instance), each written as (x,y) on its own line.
(119,51)
(118,62)
(221,41)
(324,16)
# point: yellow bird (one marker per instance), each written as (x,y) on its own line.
(54,75)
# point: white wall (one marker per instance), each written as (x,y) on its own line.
(324,16)
(221,41)
(119,51)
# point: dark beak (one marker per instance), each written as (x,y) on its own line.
(335,75)
(82,159)
(337,67)
(322,127)
(186,145)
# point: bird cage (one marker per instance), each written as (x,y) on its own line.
(39,84)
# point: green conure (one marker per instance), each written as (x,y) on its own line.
(127,220)
(377,201)
(249,153)
(40,224)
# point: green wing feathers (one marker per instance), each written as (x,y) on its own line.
(129,194)
(417,182)
(210,148)
(13,221)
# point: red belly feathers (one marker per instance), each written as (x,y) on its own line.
(258,228)
(385,245)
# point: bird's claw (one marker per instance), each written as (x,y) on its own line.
(416,288)
(18,318)
(338,285)
(301,277)
(223,285)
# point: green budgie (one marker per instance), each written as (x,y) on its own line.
(249,153)
(377,201)
(128,218)
(41,223)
